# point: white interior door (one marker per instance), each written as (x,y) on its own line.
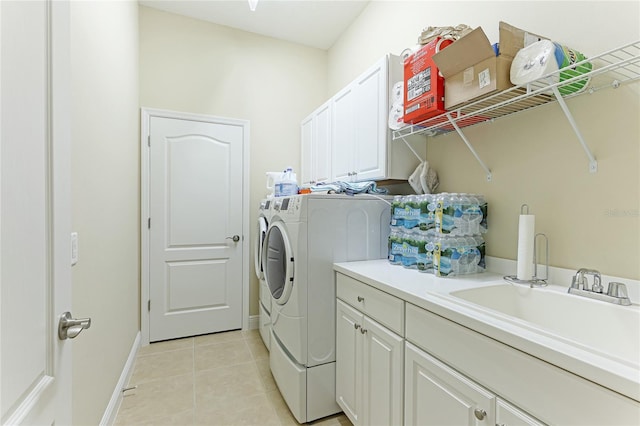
(196,243)
(35,366)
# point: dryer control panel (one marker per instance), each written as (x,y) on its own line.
(288,208)
(289,205)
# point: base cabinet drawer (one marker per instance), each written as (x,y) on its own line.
(386,309)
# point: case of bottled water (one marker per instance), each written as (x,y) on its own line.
(445,213)
(460,214)
(439,233)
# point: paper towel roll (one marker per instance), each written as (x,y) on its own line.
(396,113)
(533,62)
(526,237)
(397,93)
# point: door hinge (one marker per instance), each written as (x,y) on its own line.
(149,305)
(149,140)
(149,223)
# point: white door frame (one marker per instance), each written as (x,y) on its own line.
(147,113)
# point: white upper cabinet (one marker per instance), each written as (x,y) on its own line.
(371,118)
(306,147)
(359,126)
(343,134)
(316,146)
(360,146)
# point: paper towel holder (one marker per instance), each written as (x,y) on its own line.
(535,281)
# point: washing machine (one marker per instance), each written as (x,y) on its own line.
(306,235)
(264,218)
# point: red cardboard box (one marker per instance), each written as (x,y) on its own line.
(423,84)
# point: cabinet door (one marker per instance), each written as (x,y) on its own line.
(383,375)
(509,415)
(322,144)
(348,364)
(435,394)
(306,151)
(343,134)
(371,122)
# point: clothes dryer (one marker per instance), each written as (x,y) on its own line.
(307,234)
(264,217)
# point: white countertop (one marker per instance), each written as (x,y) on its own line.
(432,293)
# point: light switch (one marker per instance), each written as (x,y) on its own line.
(74,248)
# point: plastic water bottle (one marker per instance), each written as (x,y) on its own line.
(480,245)
(444,216)
(482,203)
(395,247)
(409,250)
(472,214)
(441,258)
(468,256)
(397,211)
(455,249)
(459,226)
(425,254)
(412,213)
(427,223)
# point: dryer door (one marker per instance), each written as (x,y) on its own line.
(262,232)
(278,262)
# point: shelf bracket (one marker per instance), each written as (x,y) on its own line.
(406,142)
(593,164)
(466,141)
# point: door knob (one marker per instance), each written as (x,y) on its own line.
(69,327)
(235,238)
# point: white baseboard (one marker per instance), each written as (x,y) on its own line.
(111,412)
(254,322)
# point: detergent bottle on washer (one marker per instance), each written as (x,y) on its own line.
(287,185)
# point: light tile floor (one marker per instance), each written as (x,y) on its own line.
(216,379)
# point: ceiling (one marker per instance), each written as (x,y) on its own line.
(315,23)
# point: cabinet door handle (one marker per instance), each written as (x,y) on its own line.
(360,299)
(356,326)
(363,330)
(480,413)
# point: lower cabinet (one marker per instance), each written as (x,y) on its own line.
(438,395)
(369,369)
(398,363)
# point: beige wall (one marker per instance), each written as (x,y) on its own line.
(195,66)
(592,220)
(105,176)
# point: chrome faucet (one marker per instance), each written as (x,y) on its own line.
(616,292)
(580,281)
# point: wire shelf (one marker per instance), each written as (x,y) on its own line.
(610,69)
